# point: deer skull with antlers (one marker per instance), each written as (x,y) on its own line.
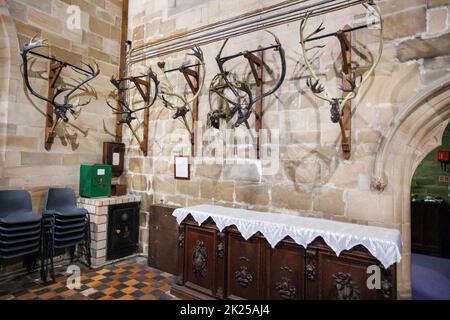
(143,84)
(242,98)
(64,93)
(181,104)
(122,92)
(354,86)
(234,97)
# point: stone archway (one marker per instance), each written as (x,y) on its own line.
(414,132)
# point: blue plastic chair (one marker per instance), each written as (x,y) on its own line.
(20,229)
(66,226)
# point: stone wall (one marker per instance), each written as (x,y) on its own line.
(312,179)
(24,162)
(426,178)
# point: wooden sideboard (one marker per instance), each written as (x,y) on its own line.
(223,265)
(162,238)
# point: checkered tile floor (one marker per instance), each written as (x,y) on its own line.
(127,280)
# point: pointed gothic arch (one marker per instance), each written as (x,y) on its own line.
(412,135)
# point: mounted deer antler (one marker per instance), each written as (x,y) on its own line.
(121,94)
(244,111)
(237,101)
(176,102)
(58,89)
(143,84)
(194,75)
(352,86)
(60,108)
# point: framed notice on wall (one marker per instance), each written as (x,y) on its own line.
(182,168)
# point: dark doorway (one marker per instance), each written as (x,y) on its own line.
(430,226)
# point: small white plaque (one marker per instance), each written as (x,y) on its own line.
(100,172)
(116,159)
(182,168)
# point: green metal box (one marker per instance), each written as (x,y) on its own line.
(95,181)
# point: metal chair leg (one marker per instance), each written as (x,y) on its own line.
(87,241)
(72,253)
(44,251)
(47,252)
(43,275)
(51,249)
(52,254)
(49,260)
(30,262)
(27,263)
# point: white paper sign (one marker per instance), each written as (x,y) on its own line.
(182,167)
(101,172)
(116,159)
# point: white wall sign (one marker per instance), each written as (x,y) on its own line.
(182,168)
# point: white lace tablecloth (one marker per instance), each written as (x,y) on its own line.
(384,244)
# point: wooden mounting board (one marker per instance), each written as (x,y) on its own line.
(259,104)
(54,71)
(345,40)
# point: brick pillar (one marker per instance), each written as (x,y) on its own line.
(98,211)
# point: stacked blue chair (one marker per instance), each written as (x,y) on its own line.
(20,229)
(65,227)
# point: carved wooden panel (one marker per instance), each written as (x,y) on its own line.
(200,259)
(285,272)
(245,267)
(311,271)
(346,277)
(221,265)
(180,280)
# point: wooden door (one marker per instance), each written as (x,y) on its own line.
(429,228)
